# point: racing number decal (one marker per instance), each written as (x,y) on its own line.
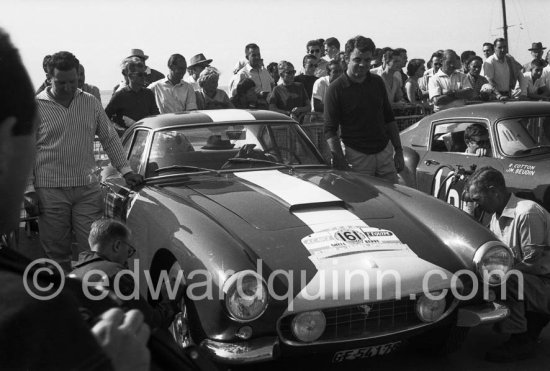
(350,236)
(453,197)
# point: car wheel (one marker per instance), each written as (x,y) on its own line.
(180,327)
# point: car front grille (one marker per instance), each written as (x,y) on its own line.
(360,321)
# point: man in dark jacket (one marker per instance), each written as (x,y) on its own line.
(107,265)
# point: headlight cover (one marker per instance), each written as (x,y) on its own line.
(493,260)
(309,326)
(430,309)
(246,296)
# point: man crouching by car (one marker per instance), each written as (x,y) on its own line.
(523,225)
(110,250)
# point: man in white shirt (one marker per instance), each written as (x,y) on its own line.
(321,85)
(254,70)
(172,94)
(449,87)
(502,71)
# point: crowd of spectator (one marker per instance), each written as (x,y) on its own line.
(445,80)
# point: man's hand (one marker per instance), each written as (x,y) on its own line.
(31,204)
(398,160)
(127,121)
(123,337)
(338,159)
(481,152)
(133,179)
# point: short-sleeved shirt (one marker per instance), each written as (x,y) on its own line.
(286,97)
(173,98)
(319,90)
(220,100)
(134,104)
(362,111)
(521,223)
(260,76)
(441,84)
(530,87)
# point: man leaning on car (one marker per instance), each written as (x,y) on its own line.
(523,225)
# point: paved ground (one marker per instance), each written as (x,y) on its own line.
(470,357)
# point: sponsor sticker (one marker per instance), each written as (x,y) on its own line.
(367,352)
(348,239)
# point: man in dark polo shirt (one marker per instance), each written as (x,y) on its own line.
(357,103)
(133,101)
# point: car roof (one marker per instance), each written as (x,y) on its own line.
(494,110)
(210,116)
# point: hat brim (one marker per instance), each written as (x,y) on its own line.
(535,49)
(145,57)
(207,61)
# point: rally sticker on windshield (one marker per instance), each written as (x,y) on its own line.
(344,240)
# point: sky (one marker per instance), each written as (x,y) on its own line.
(102,32)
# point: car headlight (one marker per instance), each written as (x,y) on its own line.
(493,260)
(246,296)
(430,308)
(309,326)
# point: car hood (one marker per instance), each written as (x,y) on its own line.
(328,226)
(268,199)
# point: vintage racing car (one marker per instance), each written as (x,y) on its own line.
(519,135)
(282,256)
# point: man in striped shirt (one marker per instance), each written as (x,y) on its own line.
(64,183)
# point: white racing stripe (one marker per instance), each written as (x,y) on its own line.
(382,251)
(229,115)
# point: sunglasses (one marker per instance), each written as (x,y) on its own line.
(292,72)
(131,249)
(315,51)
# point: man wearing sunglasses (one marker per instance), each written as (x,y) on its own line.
(315,48)
(132,102)
(477,140)
(107,265)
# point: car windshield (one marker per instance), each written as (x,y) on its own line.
(229,147)
(524,135)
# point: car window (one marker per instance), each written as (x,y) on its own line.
(224,146)
(449,136)
(522,135)
(137,149)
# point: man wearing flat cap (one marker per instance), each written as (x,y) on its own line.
(196,65)
(536,52)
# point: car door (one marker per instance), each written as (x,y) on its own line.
(118,195)
(446,158)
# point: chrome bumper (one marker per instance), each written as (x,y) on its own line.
(480,314)
(257,350)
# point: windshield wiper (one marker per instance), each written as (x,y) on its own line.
(185,167)
(530,150)
(259,161)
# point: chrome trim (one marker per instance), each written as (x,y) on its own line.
(480,253)
(481,314)
(257,350)
(404,330)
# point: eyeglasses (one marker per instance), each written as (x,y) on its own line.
(314,51)
(131,249)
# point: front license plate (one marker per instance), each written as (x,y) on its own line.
(359,353)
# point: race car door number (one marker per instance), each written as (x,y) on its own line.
(359,353)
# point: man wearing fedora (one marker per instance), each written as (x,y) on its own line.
(152,75)
(196,65)
(536,52)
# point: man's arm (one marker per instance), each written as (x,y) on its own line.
(191,100)
(332,123)
(532,231)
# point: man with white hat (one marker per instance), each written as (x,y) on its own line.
(196,65)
